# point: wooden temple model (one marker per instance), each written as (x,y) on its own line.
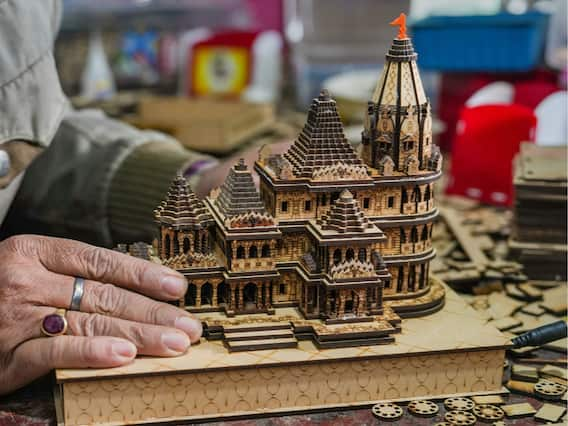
(303,284)
(344,237)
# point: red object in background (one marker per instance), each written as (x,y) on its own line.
(456,89)
(487,139)
(266,14)
(222,64)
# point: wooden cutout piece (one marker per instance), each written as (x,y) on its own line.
(488,413)
(533,309)
(525,388)
(488,399)
(524,373)
(532,292)
(550,413)
(522,409)
(554,300)
(551,370)
(503,306)
(504,324)
(549,390)
(464,237)
(514,291)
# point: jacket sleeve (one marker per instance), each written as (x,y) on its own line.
(32,103)
(99,181)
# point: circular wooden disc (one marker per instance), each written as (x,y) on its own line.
(488,413)
(443,424)
(423,408)
(549,390)
(460,418)
(387,411)
(459,403)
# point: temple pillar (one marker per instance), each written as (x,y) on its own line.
(241,297)
(214,301)
(198,296)
(341,306)
(259,296)
(267,303)
(232,296)
(361,302)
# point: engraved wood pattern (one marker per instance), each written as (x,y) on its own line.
(279,388)
(451,351)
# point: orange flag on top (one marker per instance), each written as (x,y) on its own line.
(401,22)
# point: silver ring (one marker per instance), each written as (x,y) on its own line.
(78,289)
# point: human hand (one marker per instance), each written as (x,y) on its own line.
(115,322)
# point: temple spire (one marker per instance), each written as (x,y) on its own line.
(238,194)
(182,209)
(322,141)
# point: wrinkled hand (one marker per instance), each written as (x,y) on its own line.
(115,323)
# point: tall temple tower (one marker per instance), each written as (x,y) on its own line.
(398,124)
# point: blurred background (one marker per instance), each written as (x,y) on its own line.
(221,75)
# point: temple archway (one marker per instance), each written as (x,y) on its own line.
(337,256)
(249,296)
(253,252)
(223,295)
(207,294)
(191,295)
(240,252)
(412,278)
(167,246)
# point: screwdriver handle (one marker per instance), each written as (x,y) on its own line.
(542,335)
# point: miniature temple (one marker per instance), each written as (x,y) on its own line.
(341,235)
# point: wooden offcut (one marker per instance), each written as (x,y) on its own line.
(522,409)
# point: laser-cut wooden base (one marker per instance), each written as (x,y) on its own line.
(450,352)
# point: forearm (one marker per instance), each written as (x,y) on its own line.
(99,181)
(141,182)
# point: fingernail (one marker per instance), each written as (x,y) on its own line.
(191,326)
(176,342)
(174,285)
(122,350)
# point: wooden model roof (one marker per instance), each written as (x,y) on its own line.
(321,142)
(238,194)
(345,220)
(182,209)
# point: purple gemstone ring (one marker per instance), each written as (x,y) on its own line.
(54,324)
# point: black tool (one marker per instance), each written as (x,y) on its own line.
(542,335)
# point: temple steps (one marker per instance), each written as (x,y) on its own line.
(259,336)
(262,344)
(257,326)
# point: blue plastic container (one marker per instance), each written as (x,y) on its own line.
(502,42)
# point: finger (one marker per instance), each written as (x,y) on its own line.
(34,358)
(108,299)
(149,339)
(74,258)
